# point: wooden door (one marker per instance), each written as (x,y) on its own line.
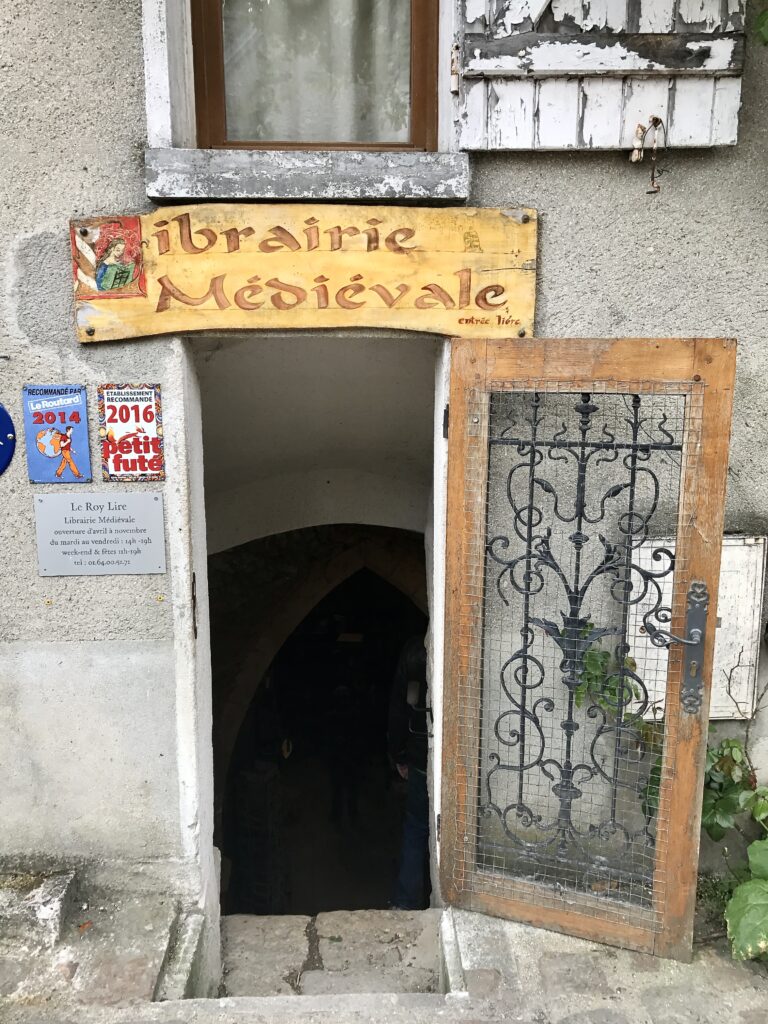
(586,484)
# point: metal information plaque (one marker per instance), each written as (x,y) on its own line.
(100,534)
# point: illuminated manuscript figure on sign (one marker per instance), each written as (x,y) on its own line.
(108,259)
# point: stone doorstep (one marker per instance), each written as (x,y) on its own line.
(341,952)
(113,949)
(33,908)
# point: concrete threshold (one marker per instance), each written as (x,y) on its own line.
(343,952)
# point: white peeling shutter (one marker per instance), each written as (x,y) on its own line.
(581,74)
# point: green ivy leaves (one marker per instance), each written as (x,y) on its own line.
(730,789)
(756,802)
(719,811)
(758,858)
(747,911)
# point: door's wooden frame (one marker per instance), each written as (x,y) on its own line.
(706,366)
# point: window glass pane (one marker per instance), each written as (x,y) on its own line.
(317,70)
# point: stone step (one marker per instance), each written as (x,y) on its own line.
(112,950)
(33,907)
(361,951)
(378,1008)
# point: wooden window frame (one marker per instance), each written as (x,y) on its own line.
(210,100)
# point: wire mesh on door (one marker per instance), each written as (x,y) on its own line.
(564,746)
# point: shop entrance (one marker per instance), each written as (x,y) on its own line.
(318,472)
(312,810)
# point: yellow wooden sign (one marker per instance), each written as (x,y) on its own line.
(453,271)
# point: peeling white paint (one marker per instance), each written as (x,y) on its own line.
(657,15)
(699,12)
(511,107)
(605,14)
(518,13)
(605,114)
(642,98)
(557,114)
(577,57)
(725,111)
(691,116)
(601,105)
(294,174)
(475,10)
(721,54)
(562,9)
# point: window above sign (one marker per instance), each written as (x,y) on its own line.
(346,100)
(325,74)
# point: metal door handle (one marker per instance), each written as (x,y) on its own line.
(691,692)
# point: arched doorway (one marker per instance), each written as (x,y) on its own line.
(306,631)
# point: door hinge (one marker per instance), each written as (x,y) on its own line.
(437,827)
(446,418)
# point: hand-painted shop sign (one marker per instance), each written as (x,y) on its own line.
(56,429)
(131,432)
(458,272)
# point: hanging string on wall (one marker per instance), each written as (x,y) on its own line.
(648,136)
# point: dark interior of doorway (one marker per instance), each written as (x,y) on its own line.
(319,829)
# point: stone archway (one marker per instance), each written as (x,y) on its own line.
(338,552)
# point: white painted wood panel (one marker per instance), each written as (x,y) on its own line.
(736,619)
(698,14)
(734,21)
(642,98)
(602,102)
(690,120)
(725,111)
(511,107)
(557,113)
(562,9)
(657,16)
(499,113)
(475,12)
(527,87)
(550,56)
(515,14)
(473,115)
(611,14)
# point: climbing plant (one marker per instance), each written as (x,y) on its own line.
(731,797)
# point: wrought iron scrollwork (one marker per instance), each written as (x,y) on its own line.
(599,526)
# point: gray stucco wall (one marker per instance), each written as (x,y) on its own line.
(88,729)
